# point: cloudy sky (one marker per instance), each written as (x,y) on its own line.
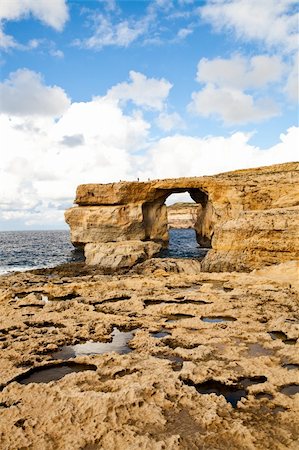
(94,91)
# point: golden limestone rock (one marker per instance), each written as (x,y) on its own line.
(183,215)
(248,218)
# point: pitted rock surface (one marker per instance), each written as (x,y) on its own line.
(151,398)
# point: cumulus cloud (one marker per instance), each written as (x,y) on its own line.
(72,141)
(146,92)
(45,158)
(181,156)
(53,13)
(235,88)
(25,94)
(231,105)
(275,23)
(239,72)
(169,121)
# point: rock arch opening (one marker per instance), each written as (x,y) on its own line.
(155,216)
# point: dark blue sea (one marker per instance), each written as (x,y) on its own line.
(25,250)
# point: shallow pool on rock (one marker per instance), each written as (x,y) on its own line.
(290,389)
(232,393)
(218,319)
(119,345)
(160,334)
(178,316)
(48,373)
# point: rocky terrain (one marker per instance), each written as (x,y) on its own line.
(248,218)
(197,360)
(182,215)
(140,353)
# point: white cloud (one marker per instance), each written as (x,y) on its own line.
(24,94)
(231,105)
(53,13)
(44,159)
(170,121)
(6,41)
(184,32)
(274,22)
(227,82)
(292,85)
(56,53)
(146,92)
(181,156)
(107,33)
(239,72)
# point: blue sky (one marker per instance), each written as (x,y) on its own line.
(97,91)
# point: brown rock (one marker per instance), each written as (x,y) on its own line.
(105,223)
(116,255)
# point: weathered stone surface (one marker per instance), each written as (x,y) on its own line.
(116,255)
(105,223)
(147,398)
(250,188)
(247,217)
(255,238)
(183,215)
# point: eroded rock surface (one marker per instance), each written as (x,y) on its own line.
(183,215)
(213,361)
(248,217)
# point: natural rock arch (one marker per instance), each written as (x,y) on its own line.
(156,223)
(249,218)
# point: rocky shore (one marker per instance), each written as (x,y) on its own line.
(167,353)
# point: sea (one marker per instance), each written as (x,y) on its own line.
(25,250)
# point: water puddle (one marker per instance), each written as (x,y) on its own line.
(283,337)
(114,299)
(177,301)
(232,393)
(217,319)
(119,345)
(160,334)
(176,361)
(290,341)
(291,366)
(174,317)
(266,395)
(49,373)
(278,335)
(290,389)
(257,350)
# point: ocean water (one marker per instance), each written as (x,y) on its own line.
(183,244)
(25,250)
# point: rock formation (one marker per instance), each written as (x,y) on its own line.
(183,215)
(211,361)
(248,218)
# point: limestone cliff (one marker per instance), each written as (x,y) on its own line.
(249,217)
(182,215)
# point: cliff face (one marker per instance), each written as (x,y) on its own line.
(249,217)
(183,215)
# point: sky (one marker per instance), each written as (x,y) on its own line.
(97,91)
